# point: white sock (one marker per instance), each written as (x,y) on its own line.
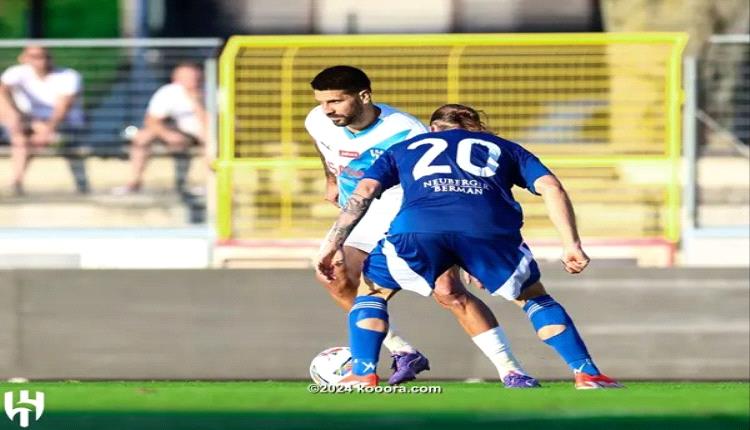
(496,347)
(396,343)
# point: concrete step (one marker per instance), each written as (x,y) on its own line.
(163,209)
(724,215)
(723,181)
(52,175)
(724,195)
(716,247)
(51,200)
(98,248)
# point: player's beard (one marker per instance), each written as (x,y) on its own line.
(344,120)
(341,121)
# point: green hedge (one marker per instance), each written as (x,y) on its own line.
(62,19)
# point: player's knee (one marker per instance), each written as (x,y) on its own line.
(550,331)
(452,300)
(15,129)
(340,288)
(374,324)
(18,140)
(11,121)
(142,139)
(450,293)
(533,291)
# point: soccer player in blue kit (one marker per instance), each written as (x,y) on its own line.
(458,209)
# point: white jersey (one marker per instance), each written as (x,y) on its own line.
(348,155)
(36,97)
(172,101)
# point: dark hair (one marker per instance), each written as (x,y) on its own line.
(345,78)
(457,116)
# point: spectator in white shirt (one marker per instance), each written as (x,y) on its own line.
(39,103)
(175,116)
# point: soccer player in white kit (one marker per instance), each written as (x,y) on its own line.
(350,133)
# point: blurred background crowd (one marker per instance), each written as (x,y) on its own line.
(114,127)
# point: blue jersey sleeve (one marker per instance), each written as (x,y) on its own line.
(529,168)
(384,170)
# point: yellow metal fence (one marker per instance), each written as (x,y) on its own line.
(601,109)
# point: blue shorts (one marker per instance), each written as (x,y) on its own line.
(413,261)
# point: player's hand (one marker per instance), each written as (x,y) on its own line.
(43,132)
(329,262)
(574,259)
(470,280)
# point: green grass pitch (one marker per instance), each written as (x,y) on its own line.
(289,405)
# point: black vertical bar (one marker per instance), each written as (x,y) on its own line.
(352,24)
(312,15)
(457,16)
(141,19)
(596,20)
(36,18)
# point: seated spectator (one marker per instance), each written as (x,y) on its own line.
(175,116)
(39,106)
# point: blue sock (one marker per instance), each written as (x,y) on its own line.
(543,311)
(365,344)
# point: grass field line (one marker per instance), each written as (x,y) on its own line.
(287,405)
(691,398)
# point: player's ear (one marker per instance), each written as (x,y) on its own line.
(365,96)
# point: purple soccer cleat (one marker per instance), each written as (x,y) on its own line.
(406,365)
(519,380)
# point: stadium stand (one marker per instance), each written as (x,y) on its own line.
(119,77)
(717,134)
(51,225)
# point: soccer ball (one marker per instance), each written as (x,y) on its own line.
(331,366)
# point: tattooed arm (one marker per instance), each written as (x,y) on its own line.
(350,215)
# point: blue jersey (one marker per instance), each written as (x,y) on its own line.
(458,181)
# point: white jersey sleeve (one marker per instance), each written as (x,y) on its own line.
(160,105)
(12,76)
(69,82)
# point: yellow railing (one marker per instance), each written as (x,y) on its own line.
(603,109)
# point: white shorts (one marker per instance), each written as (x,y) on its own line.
(374,225)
